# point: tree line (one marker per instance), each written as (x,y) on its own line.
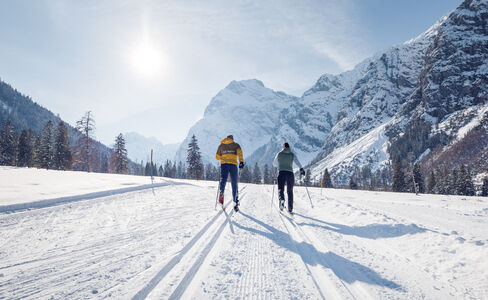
(51,148)
(456,181)
(410,179)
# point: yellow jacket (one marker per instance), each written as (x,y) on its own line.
(228,152)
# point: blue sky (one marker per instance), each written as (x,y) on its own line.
(153,66)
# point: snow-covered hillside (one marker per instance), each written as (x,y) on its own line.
(139,148)
(306,124)
(386,82)
(168,242)
(32,187)
(441,72)
(246,109)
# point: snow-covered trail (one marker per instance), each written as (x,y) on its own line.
(170,243)
(104,247)
(352,245)
(271,256)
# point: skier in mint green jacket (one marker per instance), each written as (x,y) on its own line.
(284,162)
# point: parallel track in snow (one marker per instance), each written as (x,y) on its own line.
(329,285)
(193,253)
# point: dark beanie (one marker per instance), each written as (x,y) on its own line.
(286,145)
(230,136)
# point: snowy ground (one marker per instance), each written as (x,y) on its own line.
(168,242)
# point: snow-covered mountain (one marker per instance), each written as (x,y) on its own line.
(359,117)
(139,148)
(385,82)
(246,109)
(308,121)
(441,72)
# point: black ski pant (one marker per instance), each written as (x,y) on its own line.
(286,177)
(225,171)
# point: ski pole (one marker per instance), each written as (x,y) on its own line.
(309,198)
(238,180)
(272,197)
(305,183)
(217,198)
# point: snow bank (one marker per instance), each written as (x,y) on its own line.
(22,188)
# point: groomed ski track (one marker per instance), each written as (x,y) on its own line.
(170,243)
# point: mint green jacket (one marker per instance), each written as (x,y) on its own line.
(284,160)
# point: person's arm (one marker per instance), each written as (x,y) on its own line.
(218,156)
(297,162)
(239,154)
(275,161)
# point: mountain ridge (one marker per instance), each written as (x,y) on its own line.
(422,80)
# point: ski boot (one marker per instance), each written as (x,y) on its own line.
(221,198)
(282,204)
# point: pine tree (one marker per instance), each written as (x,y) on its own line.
(484,188)
(119,156)
(8,146)
(147,169)
(431,184)
(386,177)
(256,174)
(398,177)
(216,173)
(366,175)
(326,180)
(245,175)
(194,160)
(174,171)
(453,185)
(181,170)
(62,151)
(465,182)
(266,179)
(418,179)
(154,170)
(167,169)
(442,181)
(26,149)
(46,151)
(160,171)
(85,143)
(352,184)
(209,172)
(37,151)
(104,163)
(378,186)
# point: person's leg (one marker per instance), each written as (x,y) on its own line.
(281,188)
(224,173)
(290,181)
(233,181)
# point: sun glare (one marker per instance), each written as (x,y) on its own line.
(147,60)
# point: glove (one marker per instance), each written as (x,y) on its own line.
(302,172)
(241,165)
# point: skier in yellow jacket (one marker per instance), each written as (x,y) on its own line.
(228,153)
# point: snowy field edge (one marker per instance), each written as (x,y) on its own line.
(63,200)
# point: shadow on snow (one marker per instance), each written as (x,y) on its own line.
(343,268)
(372,231)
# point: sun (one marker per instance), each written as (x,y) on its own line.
(147,59)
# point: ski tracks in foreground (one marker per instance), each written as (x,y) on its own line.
(310,249)
(270,256)
(180,270)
